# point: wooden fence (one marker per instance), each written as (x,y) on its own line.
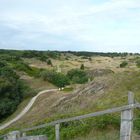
(126,126)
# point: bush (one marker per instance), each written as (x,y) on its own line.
(43,58)
(12,91)
(49,62)
(138,63)
(21,66)
(55,78)
(123,64)
(77,76)
(2,64)
(82,67)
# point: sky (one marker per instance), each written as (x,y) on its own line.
(78,25)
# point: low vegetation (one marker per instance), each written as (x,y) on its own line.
(57,79)
(89,54)
(12,91)
(138,63)
(77,76)
(82,67)
(123,64)
(110,76)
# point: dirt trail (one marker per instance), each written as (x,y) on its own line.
(26,109)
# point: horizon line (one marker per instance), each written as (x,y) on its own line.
(54,50)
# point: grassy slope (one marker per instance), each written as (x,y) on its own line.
(97,62)
(112,92)
(104,92)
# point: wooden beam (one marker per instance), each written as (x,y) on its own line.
(108,111)
(57,131)
(127,120)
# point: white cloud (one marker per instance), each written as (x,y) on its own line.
(109,24)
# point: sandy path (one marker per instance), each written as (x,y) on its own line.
(26,109)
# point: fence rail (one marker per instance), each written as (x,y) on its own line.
(2,136)
(108,111)
(126,119)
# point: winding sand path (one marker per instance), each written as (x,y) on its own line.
(26,109)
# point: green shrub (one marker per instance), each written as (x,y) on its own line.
(77,76)
(123,64)
(68,89)
(49,62)
(43,58)
(71,130)
(2,64)
(82,67)
(55,78)
(21,66)
(12,91)
(138,63)
(90,59)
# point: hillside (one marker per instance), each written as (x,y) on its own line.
(107,87)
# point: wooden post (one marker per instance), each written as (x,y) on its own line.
(14,135)
(57,131)
(127,120)
(24,134)
(5,138)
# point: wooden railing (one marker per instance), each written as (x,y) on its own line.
(126,119)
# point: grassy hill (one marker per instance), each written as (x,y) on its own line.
(108,88)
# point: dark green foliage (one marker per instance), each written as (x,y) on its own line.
(12,91)
(77,76)
(82,67)
(90,59)
(123,64)
(41,55)
(8,73)
(21,66)
(43,58)
(137,125)
(66,58)
(71,130)
(31,54)
(2,64)
(138,63)
(16,62)
(107,120)
(49,62)
(53,54)
(84,57)
(89,54)
(57,79)
(137,122)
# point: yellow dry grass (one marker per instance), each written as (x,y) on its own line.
(97,62)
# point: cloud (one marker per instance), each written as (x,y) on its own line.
(110,25)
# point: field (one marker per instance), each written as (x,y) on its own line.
(107,87)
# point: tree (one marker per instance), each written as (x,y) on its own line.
(138,63)
(49,62)
(43,58)
(2,64)
(123,64)
(90,59)
(77,76)
(82,67)
(12,91)
(55,78)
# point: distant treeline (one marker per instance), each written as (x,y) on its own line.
(30,54)
(109,54)
(43,55)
